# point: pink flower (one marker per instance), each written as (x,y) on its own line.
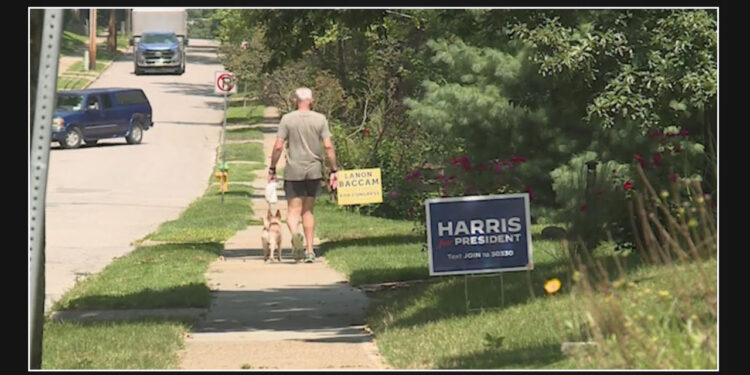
(657,158)
(454,160)
(393,194)
(639,158)
(518,159)
(498,167)
(413,175)
(684,133)
(672,177)
(583,207)
(655,134)
(628,185)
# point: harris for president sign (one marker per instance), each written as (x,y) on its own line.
(479,234)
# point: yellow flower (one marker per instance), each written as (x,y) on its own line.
(664,293)
(552,286)
(700,200)
(693,223)
(664,194)
(576,275)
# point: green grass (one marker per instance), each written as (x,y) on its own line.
(239,173)
(426,326)
(207,220)
(71,83)
(73,43)
(112,345)
(167,275)
(103,58)
(150,277)
(244,151)
(252,113)
(244,134)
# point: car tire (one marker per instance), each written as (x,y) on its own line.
(73,138)
(91,142)
(138,71)
(136,134)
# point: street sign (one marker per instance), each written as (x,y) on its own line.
(479,234)
(360,186)
(224,83)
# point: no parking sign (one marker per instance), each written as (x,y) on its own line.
(224,82)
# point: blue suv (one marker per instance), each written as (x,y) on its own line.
(90,115)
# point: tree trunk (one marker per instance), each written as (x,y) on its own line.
(342,66)
(127,22)
(112,39)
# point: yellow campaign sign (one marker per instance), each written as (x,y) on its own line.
(360,186)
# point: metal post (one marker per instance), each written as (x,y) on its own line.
(466,292)
(92,39)
(40,141)
(224,140)
(502,291)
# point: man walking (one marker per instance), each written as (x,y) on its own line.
(304,130)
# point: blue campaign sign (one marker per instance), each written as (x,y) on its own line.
(479,234)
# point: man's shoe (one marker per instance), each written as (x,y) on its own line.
(298,247)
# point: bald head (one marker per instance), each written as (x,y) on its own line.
(304,98)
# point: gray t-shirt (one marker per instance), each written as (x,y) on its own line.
(304,132)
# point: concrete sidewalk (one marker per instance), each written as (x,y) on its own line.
(275,315)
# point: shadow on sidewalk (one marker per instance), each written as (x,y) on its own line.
(295,308)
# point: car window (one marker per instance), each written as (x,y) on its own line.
(158,38)
(93,103)
(106,101)
(131,97)
(69,102)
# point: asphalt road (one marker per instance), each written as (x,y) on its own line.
(102,198)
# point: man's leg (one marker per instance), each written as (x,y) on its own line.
(293,214)
(308,222)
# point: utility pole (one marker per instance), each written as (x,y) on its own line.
(112,38)
(127,22)
(92,39)
(39,163)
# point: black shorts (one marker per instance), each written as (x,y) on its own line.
(301,189)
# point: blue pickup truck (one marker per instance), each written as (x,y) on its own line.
(86,116)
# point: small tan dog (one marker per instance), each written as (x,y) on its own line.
(271,236)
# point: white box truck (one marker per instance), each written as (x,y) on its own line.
(159,39)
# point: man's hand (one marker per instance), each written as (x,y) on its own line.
(333,181)
(271,175)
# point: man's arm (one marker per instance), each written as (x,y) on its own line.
(331,154)
(275,156)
